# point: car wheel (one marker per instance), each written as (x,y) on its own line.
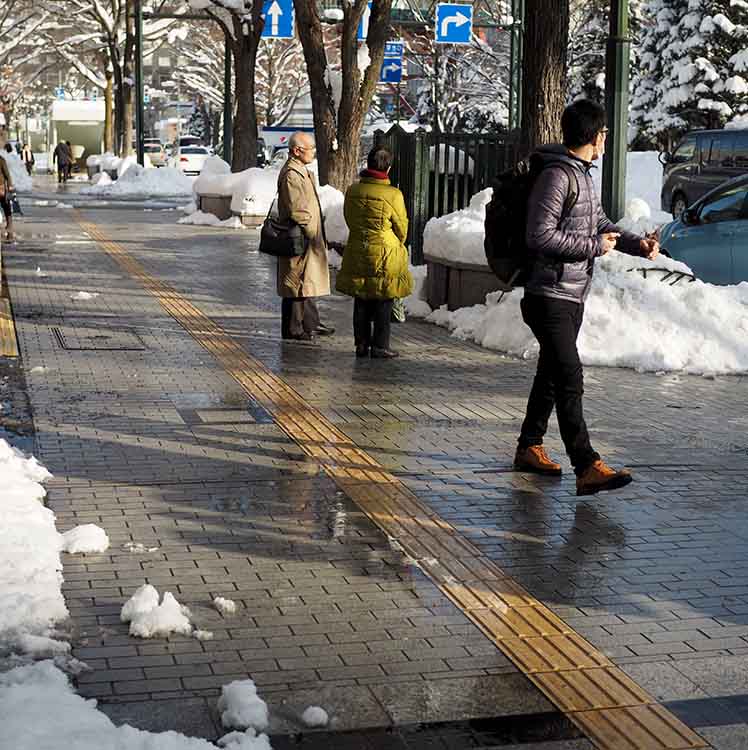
(679,205)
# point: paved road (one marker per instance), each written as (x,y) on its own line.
(156,442)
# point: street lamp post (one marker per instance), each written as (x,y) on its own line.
(616,102)
(139,114)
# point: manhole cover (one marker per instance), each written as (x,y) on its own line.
(98,339)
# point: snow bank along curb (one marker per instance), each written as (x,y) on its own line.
(222,197)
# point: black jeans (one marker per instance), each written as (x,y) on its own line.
(299,315)
(372,311)
(559,380)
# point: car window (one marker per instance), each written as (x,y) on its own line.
(740,157)
(193,150)
(727,205)
(685,152)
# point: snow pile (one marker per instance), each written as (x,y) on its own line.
(101,179)
(30,578)
(85,538)
(40,710)
(21,180)
(94,160)
(241,707)
(254,191)
(212,179)
(225,606)
(416,304)
(200,218)
(331,201)
(149,619)
(110,162)
(126,164)
(630,321)
(459,236)
(314,716)
(136,181)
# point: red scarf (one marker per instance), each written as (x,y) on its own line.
(375,174)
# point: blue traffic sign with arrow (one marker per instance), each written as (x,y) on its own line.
(278,19)
(454,23)
(392,65)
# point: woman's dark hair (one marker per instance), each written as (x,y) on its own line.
(581,122)
(379,159)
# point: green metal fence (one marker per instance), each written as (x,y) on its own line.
(439,172)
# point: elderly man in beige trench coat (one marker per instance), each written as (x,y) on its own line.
(302,278)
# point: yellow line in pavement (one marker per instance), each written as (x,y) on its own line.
(8,341)
(606,705)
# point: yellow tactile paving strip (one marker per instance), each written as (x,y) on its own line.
(8,343)
(611,710)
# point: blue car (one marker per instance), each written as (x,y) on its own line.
(712,235)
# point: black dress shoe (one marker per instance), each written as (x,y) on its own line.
(306,336)
(383,353)
(362,351)
(323,330)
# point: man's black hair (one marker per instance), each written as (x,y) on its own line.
(581,122)
(379,159)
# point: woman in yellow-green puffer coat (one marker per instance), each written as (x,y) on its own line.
(375,261)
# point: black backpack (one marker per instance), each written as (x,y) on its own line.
(506,218)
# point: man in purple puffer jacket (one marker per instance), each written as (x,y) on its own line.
(565,243)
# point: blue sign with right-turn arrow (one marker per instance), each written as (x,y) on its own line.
(454,23)
(392,65)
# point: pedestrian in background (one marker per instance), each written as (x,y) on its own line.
(27,157)
(302,278)
(6,195)
(61,157)
(71,160)
(375,262)
(564,243)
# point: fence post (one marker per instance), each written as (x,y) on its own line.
(420,195)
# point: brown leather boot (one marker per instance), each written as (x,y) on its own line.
(600,477)
(534,459)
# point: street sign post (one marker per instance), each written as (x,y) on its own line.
(363,26)
(454,23)
(278,19)
(392,65)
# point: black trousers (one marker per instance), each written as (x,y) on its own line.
(299,315)
(368,313)
(559,379)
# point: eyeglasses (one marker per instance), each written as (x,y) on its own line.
(604,131)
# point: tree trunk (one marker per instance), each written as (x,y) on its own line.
(338,134)
(128,110)
(244,153)
(544,71)
(108,114)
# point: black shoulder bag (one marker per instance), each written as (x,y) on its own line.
(281,239)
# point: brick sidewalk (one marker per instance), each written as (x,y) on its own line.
(155,444)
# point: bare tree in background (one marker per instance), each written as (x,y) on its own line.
(340,102)
(242,25)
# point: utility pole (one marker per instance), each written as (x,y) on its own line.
(139,114)
(616,102)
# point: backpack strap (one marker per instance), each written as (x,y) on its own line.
(573,195)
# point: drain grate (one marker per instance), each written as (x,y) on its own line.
(99,339)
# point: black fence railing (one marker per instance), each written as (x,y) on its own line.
(439,172)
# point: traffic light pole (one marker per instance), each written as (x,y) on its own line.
(139,114)
(617,105)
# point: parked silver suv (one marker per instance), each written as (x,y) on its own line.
(703,160)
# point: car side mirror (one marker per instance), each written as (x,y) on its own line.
(690,216)
(665,157)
